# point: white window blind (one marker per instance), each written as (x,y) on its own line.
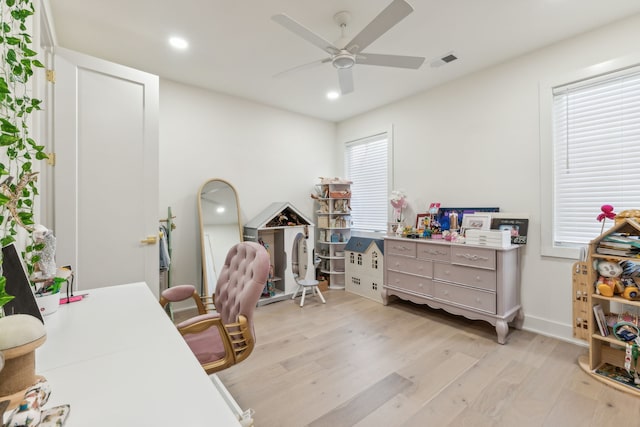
(596,134)
(367,165)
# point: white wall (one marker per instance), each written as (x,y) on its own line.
(475,142)
(268,155)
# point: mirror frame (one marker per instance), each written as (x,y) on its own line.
(204,291)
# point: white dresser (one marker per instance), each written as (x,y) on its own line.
(476,282)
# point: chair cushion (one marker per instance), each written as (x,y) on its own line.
(241,281)
(206,345)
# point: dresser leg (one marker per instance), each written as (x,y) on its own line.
(519,320)
(502,329)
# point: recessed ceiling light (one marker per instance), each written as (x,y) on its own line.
(333,95)
(178,43)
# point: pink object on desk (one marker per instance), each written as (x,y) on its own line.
(75,298)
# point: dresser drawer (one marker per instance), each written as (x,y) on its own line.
(475,277)
(475,257)
(434,252)
(399,247)
(460,295)
(405,264)
(416,284)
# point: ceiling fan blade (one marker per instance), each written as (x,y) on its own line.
(305,33)
(302,67)
(413,62)
(389,17)
(345,78)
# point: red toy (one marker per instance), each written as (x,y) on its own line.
(607,212)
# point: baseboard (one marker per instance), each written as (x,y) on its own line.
(561,331)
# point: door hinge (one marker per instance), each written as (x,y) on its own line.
(51,159)
(51,76)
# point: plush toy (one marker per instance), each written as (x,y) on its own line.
(609,282)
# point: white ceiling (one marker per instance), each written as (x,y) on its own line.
(235,47)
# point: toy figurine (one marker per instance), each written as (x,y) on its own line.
(609,282)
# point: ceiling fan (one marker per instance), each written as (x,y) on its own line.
(343,58)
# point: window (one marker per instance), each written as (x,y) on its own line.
(596,153)
(367,165)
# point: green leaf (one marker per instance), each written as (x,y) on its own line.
(26,218)
(8,127)
(26,167)
(11,56)
(37,63)
(41,156)
(7,240)
(13,41)
(3,199)
(6,139)
(28,52)
(11,2)
(4,88)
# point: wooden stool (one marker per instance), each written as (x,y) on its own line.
(21,335)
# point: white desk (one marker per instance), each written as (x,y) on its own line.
(117,359)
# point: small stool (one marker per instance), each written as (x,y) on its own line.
(21,335)
(303,285)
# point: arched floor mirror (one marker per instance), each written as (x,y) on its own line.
(219,213)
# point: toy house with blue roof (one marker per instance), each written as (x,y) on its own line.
(364,267)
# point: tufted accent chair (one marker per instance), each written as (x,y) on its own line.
(225,337)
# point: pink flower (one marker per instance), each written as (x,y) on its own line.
(607,212)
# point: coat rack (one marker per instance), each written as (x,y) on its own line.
(165,239)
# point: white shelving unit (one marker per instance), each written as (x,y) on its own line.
(334,230)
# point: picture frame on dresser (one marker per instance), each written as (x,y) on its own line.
(420,220)
(476,221)
(518,228)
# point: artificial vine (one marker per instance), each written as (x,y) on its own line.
(18,151)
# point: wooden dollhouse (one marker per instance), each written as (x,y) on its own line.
(276,228)
(364,267)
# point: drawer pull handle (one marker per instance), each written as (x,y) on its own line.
(435,252)
(401,248)
(473,257)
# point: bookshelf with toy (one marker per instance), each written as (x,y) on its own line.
(613,279)
(333,200)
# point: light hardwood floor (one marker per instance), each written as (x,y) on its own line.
(355,362)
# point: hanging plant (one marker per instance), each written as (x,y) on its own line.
(18,151)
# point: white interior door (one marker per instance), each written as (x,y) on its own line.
(106,174)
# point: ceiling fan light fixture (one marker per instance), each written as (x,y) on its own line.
(333,94)
(343,60)
(178,43)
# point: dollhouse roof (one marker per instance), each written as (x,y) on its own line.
(627,226)
(362,244)
(278,214)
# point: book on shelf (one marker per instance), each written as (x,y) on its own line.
(600,320)
(629,253)
(617,374)
(631,241)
